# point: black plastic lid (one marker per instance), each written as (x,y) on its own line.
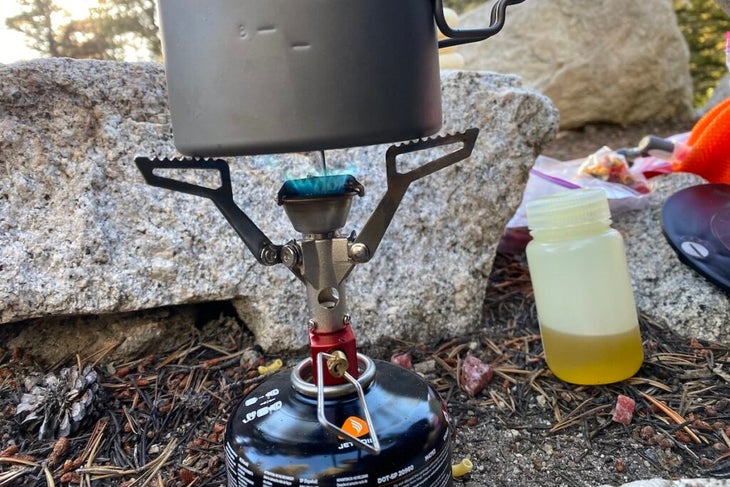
(696,222)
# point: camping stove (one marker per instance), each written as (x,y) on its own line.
(339,417)
(281,76)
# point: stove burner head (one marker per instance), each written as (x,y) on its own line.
(319,187)
(319,205)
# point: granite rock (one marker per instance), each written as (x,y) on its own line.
(82,234)
(666,289)
(118,336)
(619,62)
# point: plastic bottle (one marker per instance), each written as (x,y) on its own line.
(585,303)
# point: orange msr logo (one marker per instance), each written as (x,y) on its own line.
(355,427)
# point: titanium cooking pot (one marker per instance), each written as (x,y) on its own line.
(272,76)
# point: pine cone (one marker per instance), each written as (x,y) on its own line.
(58,404)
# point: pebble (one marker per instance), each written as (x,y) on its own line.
(425,367)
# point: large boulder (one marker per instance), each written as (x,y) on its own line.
(618,61)
(82,234)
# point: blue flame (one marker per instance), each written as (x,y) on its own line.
(317,186)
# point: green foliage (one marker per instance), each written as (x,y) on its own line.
(112,29)
(703,25)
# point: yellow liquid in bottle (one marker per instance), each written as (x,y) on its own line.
(592,359)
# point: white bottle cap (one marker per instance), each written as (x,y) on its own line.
(568,208)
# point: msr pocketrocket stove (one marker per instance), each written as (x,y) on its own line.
(252,77)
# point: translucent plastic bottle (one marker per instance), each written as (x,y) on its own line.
(585,303)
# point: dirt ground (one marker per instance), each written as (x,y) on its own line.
(524,442)
(161,419)
(530,428)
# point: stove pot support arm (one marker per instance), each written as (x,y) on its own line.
(260,246)
(366,243)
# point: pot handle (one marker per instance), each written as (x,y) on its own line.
(455,37)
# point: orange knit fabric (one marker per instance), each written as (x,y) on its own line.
(709,156)
(708,117)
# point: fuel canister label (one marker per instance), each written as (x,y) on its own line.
(260,406)
(435,472)
(353,480)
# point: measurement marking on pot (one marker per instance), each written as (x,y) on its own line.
(300,46)
(266,29)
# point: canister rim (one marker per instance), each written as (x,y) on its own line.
(365,364)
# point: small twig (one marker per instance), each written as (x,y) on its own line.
(105,472)
(215,348)
(725,437)
(92,448)
(718,371)
(7,479)
(129,420)
(534,385)
(455,351)
(449,369)
(101,354)
(569,420)
(722,457)
(49,476)
(678,443)
(179,355)
(447,345)
(155,465)
(683,402)
(493,346)
(665,358)
(673,415)
(19,461)
(635,381)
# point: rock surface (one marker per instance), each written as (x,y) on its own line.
(621,61)
(666,289)
(118,336)
(81,233)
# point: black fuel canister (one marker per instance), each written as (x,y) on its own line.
(274,437)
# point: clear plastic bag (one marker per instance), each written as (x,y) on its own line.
(625,187)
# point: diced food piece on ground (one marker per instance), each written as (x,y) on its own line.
(624,410)
(403,359)
(475,375)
